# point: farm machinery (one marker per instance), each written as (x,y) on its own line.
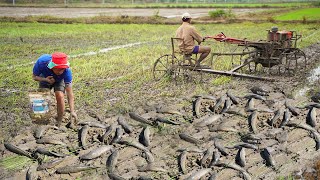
(278,54)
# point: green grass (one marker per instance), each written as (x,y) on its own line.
(14,163)
(164,5)
(301,14)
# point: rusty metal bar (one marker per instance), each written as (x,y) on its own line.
(244,64)
(231,54)
(229,73)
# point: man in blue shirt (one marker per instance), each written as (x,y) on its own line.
(52,71)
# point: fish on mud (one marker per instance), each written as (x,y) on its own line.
(199,174)
(241,157)
(315,133)
(73,169)
(233,98)
(48,140)
(167,121)
(197,106)
(208,120)
(139,118)
(250,105)
(253,118)
(182,161)
(96,152)
(302,126)
(40,131)
(215,158)
(252,138)
(192,150)
(286,118)
(238,112)
(292,109)
(107,135)
(151,167)
(213,176)
(222,127)
(148,155)
(259,91)
(31,173)
(118,135)
(316,137)
(166,110)
(189,138)
(15,149)
(255,96)
(275,118)
(312,117)
(49,153)
(311,105)
(124,124)
(244,145)
(50,164)
(112,160)
(220,102)
(93,124)
(208,154)
(133,143)
(83,136)
(235,167)
(268,157)
(221,148)
(144,137)
(227,104)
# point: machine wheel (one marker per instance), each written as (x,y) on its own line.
(164,67)
(294,59)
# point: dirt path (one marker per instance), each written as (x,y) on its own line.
(90,12)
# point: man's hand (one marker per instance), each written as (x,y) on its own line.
(50,79)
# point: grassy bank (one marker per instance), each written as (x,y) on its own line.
(301,14)
(163,5)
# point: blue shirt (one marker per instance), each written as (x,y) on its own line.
(40,69)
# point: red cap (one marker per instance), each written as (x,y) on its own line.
(60,59)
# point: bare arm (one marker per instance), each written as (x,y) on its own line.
(48,79)
(70,97)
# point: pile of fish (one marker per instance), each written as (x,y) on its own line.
(259,125)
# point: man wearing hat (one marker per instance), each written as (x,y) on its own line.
(52,71)
(188,33)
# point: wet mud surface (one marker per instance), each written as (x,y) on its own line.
(90,12)
(184,142)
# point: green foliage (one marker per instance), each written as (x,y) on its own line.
(316,4)
(15,162)
(221,80)
(221,14)
(300,14)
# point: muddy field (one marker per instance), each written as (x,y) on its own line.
(184,142)
(91,12)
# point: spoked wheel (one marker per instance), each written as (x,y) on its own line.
(164,67)
(294,59)
(183,72)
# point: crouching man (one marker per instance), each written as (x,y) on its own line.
(52,71)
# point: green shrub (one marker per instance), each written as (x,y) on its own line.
(316,4)
(221,14)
